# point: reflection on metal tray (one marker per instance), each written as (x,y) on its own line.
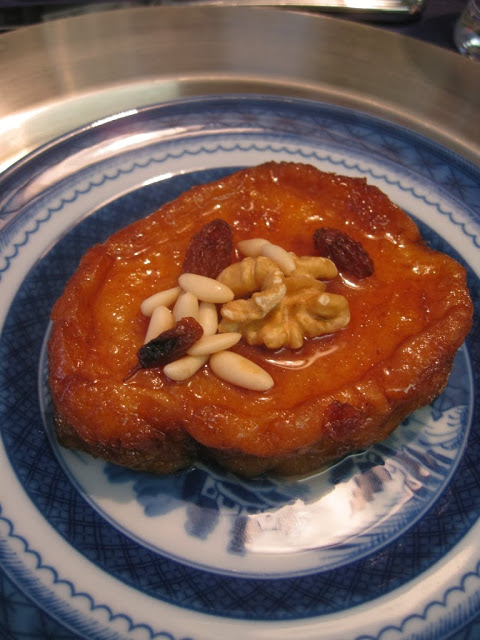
(16,13)
(366,9)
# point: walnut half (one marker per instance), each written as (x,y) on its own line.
(282,310)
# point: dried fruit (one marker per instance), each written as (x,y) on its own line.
(210,250)
(348,255)
(342,421)
(170,345)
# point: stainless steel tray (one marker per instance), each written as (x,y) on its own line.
(63,74)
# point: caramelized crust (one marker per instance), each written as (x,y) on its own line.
(336,394)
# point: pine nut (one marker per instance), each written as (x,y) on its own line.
(240,371)
(252,247)
(160,321)
(208,318)
(211,344)
(280,256)
(206,289)
(184,368)
(186,306)
(162,298)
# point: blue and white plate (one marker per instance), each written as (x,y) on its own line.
(381,546)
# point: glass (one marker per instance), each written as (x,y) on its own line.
(467,31)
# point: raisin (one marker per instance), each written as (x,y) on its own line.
(210,250)
(168,346)
(348,255)
(342,421)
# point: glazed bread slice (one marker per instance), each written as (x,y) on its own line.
(337,393)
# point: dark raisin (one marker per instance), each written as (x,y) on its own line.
(348,255)
(210,250)
(342,421)
(168,346)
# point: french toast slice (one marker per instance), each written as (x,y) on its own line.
(337,393)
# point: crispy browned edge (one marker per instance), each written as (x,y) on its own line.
(177,450)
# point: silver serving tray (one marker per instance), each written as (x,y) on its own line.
(62,74)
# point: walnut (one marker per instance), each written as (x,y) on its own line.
(282,309)
(258,276)
(315,266)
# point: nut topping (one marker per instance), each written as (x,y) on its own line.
(205,289)
(258,276)
(234,368)
(283,309)
(271,297)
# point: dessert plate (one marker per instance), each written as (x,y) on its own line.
(382,545)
